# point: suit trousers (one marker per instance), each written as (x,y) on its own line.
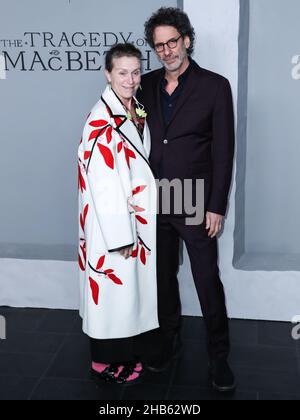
(203,255)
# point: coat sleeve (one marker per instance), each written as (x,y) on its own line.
(106,178)
(222,148)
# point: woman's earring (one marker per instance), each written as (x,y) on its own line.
(140,87)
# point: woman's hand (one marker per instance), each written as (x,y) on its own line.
(126,252)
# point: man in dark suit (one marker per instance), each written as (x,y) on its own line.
(190,116)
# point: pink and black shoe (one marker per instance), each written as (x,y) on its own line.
(130,373)
(106,372)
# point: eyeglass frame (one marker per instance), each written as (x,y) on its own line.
(161,45)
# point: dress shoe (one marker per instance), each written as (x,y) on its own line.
(222,377)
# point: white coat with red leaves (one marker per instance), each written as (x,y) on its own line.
(117,207)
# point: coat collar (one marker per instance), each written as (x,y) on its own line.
(123,125)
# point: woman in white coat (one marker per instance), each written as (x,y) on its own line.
(117,223)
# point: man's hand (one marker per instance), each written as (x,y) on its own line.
(126,252)
(213,223)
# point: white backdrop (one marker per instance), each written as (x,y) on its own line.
(266,295)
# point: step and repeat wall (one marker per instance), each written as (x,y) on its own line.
(268,149)
(53,53)
(51,74)
(255,44)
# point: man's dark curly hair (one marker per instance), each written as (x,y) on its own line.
(170,16)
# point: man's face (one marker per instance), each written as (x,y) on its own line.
(171,58)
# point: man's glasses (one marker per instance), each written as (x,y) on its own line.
(172,43)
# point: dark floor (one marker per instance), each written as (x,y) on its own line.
(46,356)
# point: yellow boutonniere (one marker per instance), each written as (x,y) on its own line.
(140,113)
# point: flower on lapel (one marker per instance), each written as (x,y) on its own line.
(140,113)
(139,109)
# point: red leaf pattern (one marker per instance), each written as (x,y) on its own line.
(87,154)
(81,222)
(131,153)
(81,182)
(135,252)
(98,123)
(109,134)
(118,121)
(85,212)
(94,134)
(141,220)
(128,154)
(100,262)
(138,189)
(83,252)
(143,255)
(114,278)
(99,128)
(83,217)
(95,290)
(107,155)
(120,146)
(127,157)
(142,251)
(137,208)
(80,263)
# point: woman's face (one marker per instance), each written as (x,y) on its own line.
(125,76)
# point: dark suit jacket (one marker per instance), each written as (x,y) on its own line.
(200,136)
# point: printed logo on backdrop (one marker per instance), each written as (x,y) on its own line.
(77,51)
(296,67)
(2,67)
(296,328)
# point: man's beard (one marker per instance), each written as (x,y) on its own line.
(177,64)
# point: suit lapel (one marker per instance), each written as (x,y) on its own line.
(158,98)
